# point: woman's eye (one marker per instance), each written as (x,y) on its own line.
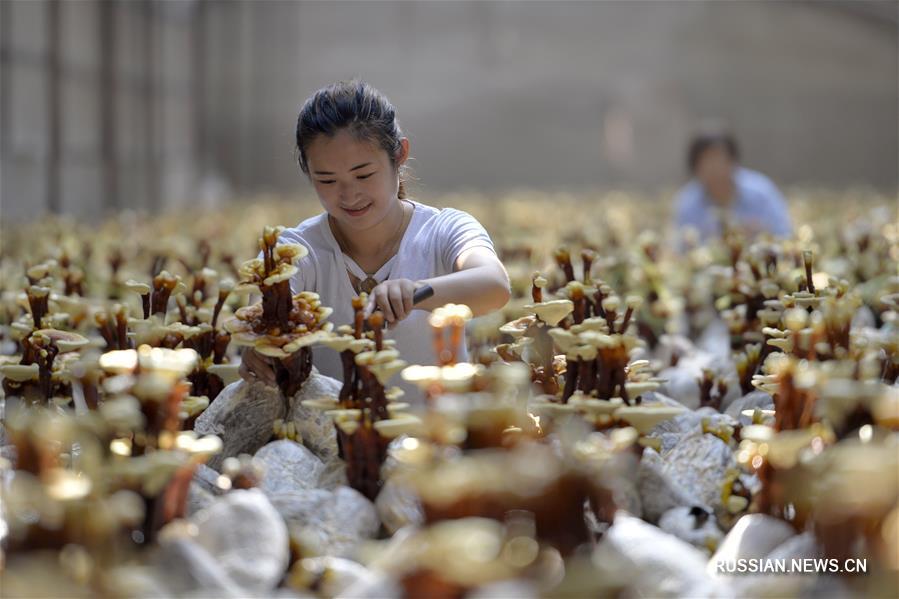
(364,176)
(326,181)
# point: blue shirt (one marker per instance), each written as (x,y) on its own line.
(758,206)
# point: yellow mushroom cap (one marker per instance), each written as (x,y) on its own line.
(552,312)
(65,341)
(644,418)
(19,372)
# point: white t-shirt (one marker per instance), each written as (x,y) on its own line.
(433,241)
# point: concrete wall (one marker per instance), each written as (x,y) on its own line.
(148,104)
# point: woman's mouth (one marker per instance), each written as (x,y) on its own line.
(358,211)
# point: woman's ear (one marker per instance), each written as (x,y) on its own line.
(403,155)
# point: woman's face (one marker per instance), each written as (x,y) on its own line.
(355,179)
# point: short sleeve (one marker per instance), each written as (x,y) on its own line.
(458,232)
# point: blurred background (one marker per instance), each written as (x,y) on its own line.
(151,105)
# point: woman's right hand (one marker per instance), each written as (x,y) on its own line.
(256,367)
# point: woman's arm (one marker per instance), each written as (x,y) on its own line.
(480,281)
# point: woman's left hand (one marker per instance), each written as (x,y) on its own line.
(393,297)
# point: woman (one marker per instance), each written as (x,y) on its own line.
(371,237)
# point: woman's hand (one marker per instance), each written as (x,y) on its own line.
(393,297)
(256,367)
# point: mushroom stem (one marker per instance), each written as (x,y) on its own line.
(807,261)
(220,348)
(145,303)
(358,316)
(223,295)
(563,259)
(376,323)
(537,288)
(39,302)
(121,320)
(628,314)
(587,258)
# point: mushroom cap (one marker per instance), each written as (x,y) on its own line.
(190,442)
(229,373)
(594,405)
(339,414)
(20,372)
(65,341)
(338,343)
(137,287)
(176,362)
(517,327)
(291,251)
(594,323)
(347,426)
(553,311)
(454,378)
(399,424)
(565,340)
(321,403)
(306,340)
(282,273)
(450,314)
(644,418)
(119,361)
(193,405)
(386,370)
(757,433)
(639,387)
(265,347)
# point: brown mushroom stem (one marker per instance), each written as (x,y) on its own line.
(580,305)
(145,304)
(376,323)
(223,295)
(277,304)
(597,303)
(220,347)
(291,372)
(358,317)
(163,285)
(706,386)
(46,357)
(563,260)
(807,262)
(121,319)
(628,314)
(536,292)
(587,258)
(74,283)
(39,303)
(572,368)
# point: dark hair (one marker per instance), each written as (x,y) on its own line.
(709,139)
(352,105)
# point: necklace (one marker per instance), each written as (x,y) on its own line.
(369,283)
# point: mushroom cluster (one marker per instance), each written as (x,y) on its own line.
(633,418)
(284,325)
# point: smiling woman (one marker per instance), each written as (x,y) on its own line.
(371,237)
